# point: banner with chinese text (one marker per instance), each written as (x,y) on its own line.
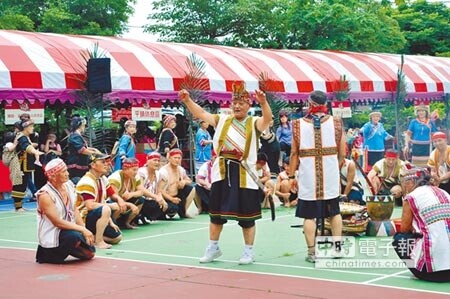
(341,109)
(146,112)
(15,109)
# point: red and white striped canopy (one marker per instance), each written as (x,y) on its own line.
(46,66)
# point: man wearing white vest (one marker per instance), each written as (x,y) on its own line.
(61,231)
(318,147)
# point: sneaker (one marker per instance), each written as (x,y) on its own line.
(246,258)
(210,255)
(311,258)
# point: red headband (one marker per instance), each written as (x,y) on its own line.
(317,108)
(54,166)
(154,155)
(391,155)
(438,135)
(130,164)
(175,152)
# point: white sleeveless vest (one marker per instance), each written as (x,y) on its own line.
(48,234)
(318,173)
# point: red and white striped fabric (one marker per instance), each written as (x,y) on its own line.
(47,66)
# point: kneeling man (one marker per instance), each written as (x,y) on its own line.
(61,231)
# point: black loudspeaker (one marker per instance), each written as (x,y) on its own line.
(99,75)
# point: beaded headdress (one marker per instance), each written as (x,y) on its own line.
(239,92)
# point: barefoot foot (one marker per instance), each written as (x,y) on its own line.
(103,245)
(130,226)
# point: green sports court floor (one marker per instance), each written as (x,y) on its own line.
(162,257)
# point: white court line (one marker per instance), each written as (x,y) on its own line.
(255,272)
(224,261)
(193,230)
(384,277)
(153,222)
(163,235)
(18,216)
(178,222)
(280,275)
(17,241)
(236,262)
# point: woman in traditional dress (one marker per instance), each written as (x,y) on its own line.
(127,145)
(167,138)
(79,151)
(423,240)
(27,154)
(374,137)
(418,136)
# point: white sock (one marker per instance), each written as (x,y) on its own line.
(248,248)
(213,244)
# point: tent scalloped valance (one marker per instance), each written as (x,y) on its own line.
(50,66)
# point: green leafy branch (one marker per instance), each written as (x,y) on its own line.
(276,102)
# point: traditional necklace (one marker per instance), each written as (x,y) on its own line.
(64,197)
(151,182)
(423,123)
(127,184)
(390,171)
(442,157)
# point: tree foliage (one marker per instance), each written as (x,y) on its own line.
(414,27)
(227,22)
(344,25)
(426,27)
(340,25)
(95,17)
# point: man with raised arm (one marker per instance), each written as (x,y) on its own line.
(234,195)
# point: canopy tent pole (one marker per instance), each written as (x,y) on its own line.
(191,141)
(398,102)
(447,107)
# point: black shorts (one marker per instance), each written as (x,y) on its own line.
(292,196)
(91,224)
(310,209)
(70,243)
